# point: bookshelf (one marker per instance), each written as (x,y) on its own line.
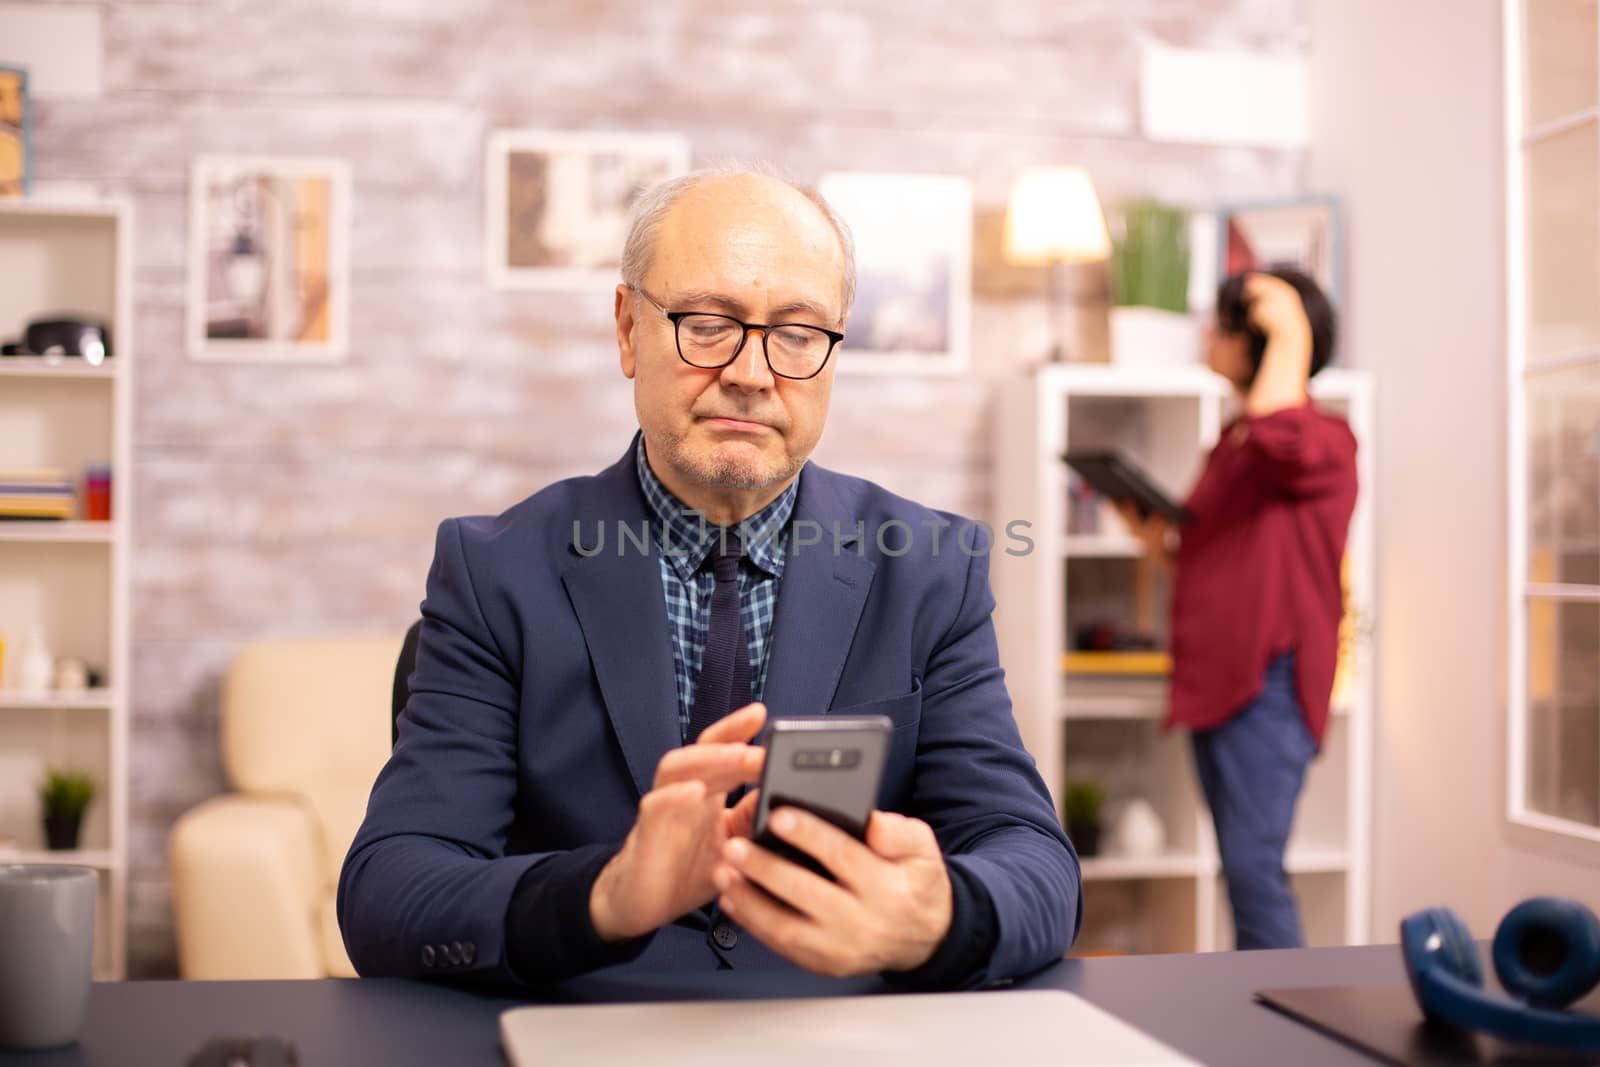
(70,579)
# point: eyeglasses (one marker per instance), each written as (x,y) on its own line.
(793,350)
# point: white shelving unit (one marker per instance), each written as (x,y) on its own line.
(92,700)
(55,366)
(1167,420)
(69,578)
(45,532)
(1100,546)
(99,859)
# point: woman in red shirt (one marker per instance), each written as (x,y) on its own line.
(1257,596)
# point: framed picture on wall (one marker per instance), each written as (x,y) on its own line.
(913,236)
(15,125)
(1302,233)
(269,259)
(556,202)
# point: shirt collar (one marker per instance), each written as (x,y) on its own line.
(685,538)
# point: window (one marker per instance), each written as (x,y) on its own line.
(1553,275)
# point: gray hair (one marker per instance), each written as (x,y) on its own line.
(649,211)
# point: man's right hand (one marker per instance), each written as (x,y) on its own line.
(664,868)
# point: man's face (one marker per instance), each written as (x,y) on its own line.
(754,249)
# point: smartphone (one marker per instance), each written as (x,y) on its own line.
(830,767)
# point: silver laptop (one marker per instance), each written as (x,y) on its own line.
(1020,1028)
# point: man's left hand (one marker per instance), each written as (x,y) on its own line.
(889,910)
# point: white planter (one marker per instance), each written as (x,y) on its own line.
(1150,337)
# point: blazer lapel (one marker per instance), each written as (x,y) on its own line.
(819,602)
(621,609)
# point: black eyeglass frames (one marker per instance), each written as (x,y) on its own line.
(709,341)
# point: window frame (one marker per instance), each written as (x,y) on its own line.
(1523,592)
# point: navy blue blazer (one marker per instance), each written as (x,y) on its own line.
(543,699)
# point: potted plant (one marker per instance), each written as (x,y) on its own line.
(65,796)
(1150,323)
(1083,803)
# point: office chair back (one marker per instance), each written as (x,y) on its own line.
(404,665)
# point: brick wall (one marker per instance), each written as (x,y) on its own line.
(303,500)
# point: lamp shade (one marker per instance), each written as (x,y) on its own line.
(1054,215)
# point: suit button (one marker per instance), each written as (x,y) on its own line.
(453,953)
(725,935)
(427,956)
(469,952)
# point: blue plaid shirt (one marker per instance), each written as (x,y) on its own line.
(684,539)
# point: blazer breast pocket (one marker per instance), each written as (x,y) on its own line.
(904,711)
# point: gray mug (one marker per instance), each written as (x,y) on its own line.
(47,962)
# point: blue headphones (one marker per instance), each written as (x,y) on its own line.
(1546,954)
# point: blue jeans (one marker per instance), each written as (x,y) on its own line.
(1251,770)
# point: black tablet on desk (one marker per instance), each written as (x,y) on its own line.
(1117,479)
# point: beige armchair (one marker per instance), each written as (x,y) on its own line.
(305,728)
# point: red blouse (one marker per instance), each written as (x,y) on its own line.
(1258,566)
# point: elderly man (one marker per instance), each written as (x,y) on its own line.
(594,663)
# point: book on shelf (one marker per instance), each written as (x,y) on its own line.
(1118,664)
(42,493)
(32,476)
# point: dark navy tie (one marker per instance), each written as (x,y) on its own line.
(724,682)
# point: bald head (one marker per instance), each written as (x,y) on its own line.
(687,214)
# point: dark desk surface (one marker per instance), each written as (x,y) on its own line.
(1201,1005)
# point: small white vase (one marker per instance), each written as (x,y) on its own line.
(35,668)
(1139,830)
